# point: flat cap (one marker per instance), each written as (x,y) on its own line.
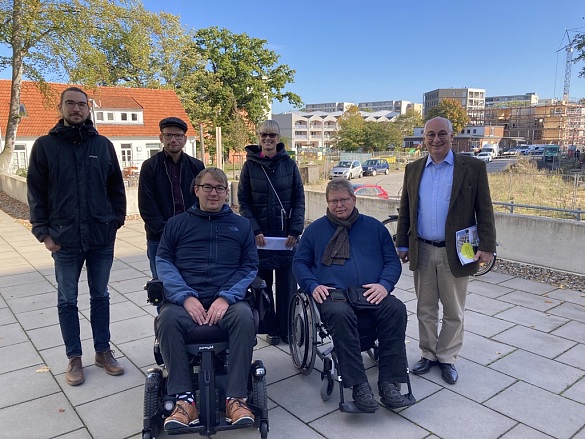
(172,122)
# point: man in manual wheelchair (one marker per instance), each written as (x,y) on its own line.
(347,263)
(206,261)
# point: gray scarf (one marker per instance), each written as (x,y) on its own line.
(337,250)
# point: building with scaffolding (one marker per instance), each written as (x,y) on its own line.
(560,123)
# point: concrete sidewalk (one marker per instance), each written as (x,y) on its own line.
(521,369)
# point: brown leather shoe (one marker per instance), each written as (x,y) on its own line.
(184,415)
(237,412)
(74,375)
(107,361)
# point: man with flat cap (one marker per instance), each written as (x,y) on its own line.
(165,188)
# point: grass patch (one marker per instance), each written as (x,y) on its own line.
(523,183)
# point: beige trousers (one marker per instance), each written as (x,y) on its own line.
(434,283)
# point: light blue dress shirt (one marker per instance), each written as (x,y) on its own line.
(434,195)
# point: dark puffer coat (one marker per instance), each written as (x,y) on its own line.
(259,203)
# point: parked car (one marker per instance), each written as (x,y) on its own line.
(347,169)
(469,153)
(486,156)
(369,190)
(523,150)
(511,151)
(375,166)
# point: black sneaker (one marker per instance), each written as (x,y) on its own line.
(364,397)
(391,397)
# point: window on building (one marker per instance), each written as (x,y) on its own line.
(126,154)
(99,115)
(134,117)
(124,116)
(152,149)
(110,116)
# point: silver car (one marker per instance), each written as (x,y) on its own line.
(347,169)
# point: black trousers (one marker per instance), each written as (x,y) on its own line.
(389,321)
(172,325)
(286,285)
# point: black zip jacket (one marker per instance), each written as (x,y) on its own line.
(75,188)
(155,191)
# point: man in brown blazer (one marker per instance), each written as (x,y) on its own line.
(442,193)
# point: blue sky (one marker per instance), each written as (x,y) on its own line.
(381,50)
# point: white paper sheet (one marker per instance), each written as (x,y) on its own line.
(275,244)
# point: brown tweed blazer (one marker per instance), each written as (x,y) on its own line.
(470,204)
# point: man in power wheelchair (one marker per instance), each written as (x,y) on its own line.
(206,260)
(347,263)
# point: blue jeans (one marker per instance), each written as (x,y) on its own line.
(151,248)
(68,265)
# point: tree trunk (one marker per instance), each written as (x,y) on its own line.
(17,68)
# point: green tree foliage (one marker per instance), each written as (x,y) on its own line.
(350,135)
(378,135)
(29,28)
(450,109)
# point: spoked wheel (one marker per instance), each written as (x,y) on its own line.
(302,333)
(390,224)
(485,267)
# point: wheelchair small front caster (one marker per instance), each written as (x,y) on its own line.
(263,430)
(327,385)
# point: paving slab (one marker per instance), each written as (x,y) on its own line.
(485,305)
(576,392)
(50,336)
(529,286)
(542,410)
(453,416)
(487,289)
(33,302)
(532,319)
(574,357)
(577,297)
(11,333)
(540,371)
(32,382)
(18,356)
(570,311)
(573,331)
(521,431)
(7,317)
(528,300)
(538,342)
(40,418)
(484,325)
(483,350)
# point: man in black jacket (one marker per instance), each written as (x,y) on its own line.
(165,188)
(77,202)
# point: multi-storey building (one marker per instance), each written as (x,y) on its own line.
(318,129)
(471,138)
(399,107)
(329,107)
(525,100)
(472,99)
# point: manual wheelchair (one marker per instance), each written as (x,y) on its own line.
(209,353)
(309,339)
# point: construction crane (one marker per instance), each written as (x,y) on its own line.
(568,65)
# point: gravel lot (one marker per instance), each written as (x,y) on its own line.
(559,279)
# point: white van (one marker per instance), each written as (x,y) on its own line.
(491,150)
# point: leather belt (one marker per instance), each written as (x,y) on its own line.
(433,243)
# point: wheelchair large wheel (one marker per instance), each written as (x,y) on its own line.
(302,333)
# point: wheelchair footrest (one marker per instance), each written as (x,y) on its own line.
(350,407)
(409,400)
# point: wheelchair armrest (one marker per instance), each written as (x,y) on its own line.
(155,292)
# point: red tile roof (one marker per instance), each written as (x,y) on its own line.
(43,114)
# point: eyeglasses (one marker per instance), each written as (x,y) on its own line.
(343,201)
(442,135)
(271,135)
(169,136)
(71,105)
(219,190)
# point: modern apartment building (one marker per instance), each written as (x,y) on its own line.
(399,107)
(525,100)
(318,129)
(471,138)
(472,99)
(329,107)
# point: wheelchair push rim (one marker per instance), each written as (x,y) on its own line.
(302,333)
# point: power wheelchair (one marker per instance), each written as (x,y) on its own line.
(309,339)
(209,354)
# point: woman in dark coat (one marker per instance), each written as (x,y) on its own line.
(271,196)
